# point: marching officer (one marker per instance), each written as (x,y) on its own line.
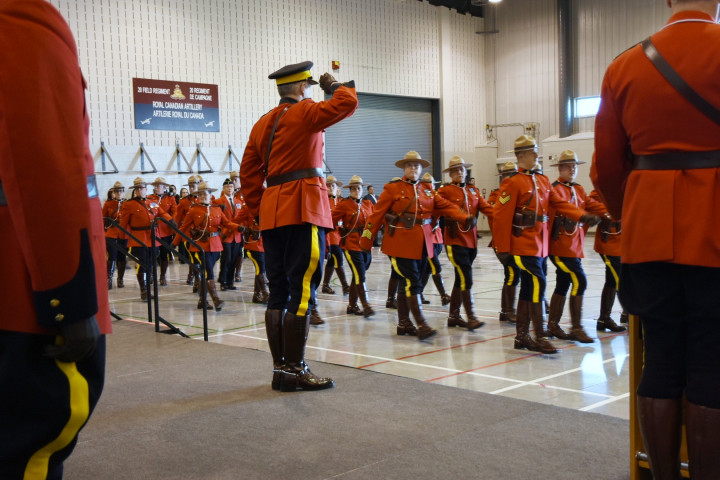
(203,223)
(335,253)
(167,202)
(137,216)
(520,237)
(256,253)
(183,207)
(354,212)
(232,240)
(113,236)
(239,204)
(432,267)
(407,206)
(510,271)
(608,245)
(461,243)
(284,185)
(567,239)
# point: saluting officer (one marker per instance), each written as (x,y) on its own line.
(510,271)
(335,254)
(520,237)
(354,212)
(567,239)
(169,205)
(408,205)
(113,236)
(285,152)
(203,224)
(460,242)
(137,216)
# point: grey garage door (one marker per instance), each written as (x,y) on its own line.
(379,133)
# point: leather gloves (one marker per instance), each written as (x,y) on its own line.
(590,220)
(79,341)
(470,222)
(326,81)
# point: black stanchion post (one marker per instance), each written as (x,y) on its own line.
(203,272)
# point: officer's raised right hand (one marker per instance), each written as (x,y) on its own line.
(326,81)
(79,340)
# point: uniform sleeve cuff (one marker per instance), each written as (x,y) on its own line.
(75,300)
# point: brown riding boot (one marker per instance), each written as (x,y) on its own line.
(352,308)
(391,302)
(661,428)
(190,277)
(703,439)
(522,328)
(440,285)
(507,303)
(624,317)
(163,271)
(557,305)
(343,281)
(423,330)
(238,268)
(605,322)
(196,281)
(121,265)
(454,317)
(576,331)
(326,281)
(537,315)
(296,374)
(467,301)
(367,310)
(273,330)
(315,318)
(258,296)
(144,292)
(264,289)
(200,300)
(424,280)
(213,293)
(404,326)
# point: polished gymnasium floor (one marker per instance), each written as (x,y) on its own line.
(587,377)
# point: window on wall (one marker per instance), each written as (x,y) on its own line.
(586,106)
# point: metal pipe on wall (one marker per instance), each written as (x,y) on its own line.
(565,59)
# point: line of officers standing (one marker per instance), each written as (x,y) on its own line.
(219,227)
(531,220)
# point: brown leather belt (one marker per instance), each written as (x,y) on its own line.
(296,175)
(677,160)
(91,186)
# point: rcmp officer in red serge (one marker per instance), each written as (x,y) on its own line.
(354,212)
(231,239)
(407,205)
(55,311)
(239,205)
(567,239)
(335,254)
(169,205)
(285,152)
(520,236)
(113,235)
(461,243)
(657,168)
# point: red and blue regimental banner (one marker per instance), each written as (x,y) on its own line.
(169,105)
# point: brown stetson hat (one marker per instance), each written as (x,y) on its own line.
(412,156)
(455,162)
(568,157)
(204,187)
(138,183)
(508,167)
(331,179)
(355,181)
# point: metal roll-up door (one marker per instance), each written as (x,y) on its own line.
(380,132)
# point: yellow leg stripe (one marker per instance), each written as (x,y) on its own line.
(257,266)
(356,275)
(573,277)
(536,282)
(335,259)
(314,258)
(511,276)
(196,257)
(457,267)
(433,270)
(397,270)
(38,465)
(606,259)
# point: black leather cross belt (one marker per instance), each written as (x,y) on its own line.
(677,160)
(296,175)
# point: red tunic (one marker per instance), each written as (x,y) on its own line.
(470,201)
(354,216)
(570,241)
(183,207)
(232,207)
(423,204)
(136,216)
(44,147)
(203,223)
(515,192)
(667,215)
(333,237)
(169,205)
(298,145)
(610,243)
(111,209)
(253,239)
